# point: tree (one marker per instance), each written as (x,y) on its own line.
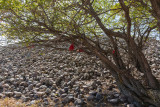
(155,10)
(126,24)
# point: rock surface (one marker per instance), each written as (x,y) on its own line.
(64,77)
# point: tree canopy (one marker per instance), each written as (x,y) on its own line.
(127,24)
(32,20)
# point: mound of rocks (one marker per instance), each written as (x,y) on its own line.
(61,77)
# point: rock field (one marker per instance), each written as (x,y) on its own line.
(61,78)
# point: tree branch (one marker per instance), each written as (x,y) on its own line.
(126,10)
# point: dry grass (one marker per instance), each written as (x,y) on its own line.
(11,102)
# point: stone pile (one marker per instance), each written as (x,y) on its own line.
(61,78)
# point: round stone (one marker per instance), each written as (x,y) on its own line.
(56,100)
(8,94)
(113,101)
(65,89)
(40,94)
(25,99)
(6,86)
(78,102)
(30,87)
(90,98)
(17,94)
(1,95)
(99,96)
(48,91)
(63,95)
(24,84)
(32,102)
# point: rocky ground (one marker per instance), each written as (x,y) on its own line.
(62,78)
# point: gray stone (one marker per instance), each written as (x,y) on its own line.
(94,85)
(122,98)
(110,95)
(43,87)
(64,84)
(77,89)
(38,85)
(78,102)
(69,83)
(1,95)
(99,96)
(65,100)
(63,95)
(111,87)
(35,96)
(12,79)
(46,102)
(40,94)
(66,89)
(21,88)
(103,105)
(56,100)
(58,81)
(8,94)
(86,88)
(113,101)
(1,78)
(32,95)
(116,95)
(17,94)
(151,106)
(48,91)
(99,90)
(25,99)
(78,106)
(90,98)
(53,94)
(6,86)
(130,105)
(93,93)
(71,97)
(86,76)
(60,92)
(24,84)
(32,102)
(30,87)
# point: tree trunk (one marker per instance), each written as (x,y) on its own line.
(156,10)
(142,63)
(137,93)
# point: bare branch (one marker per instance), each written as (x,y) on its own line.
(126,10)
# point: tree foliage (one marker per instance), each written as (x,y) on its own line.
(113,30)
